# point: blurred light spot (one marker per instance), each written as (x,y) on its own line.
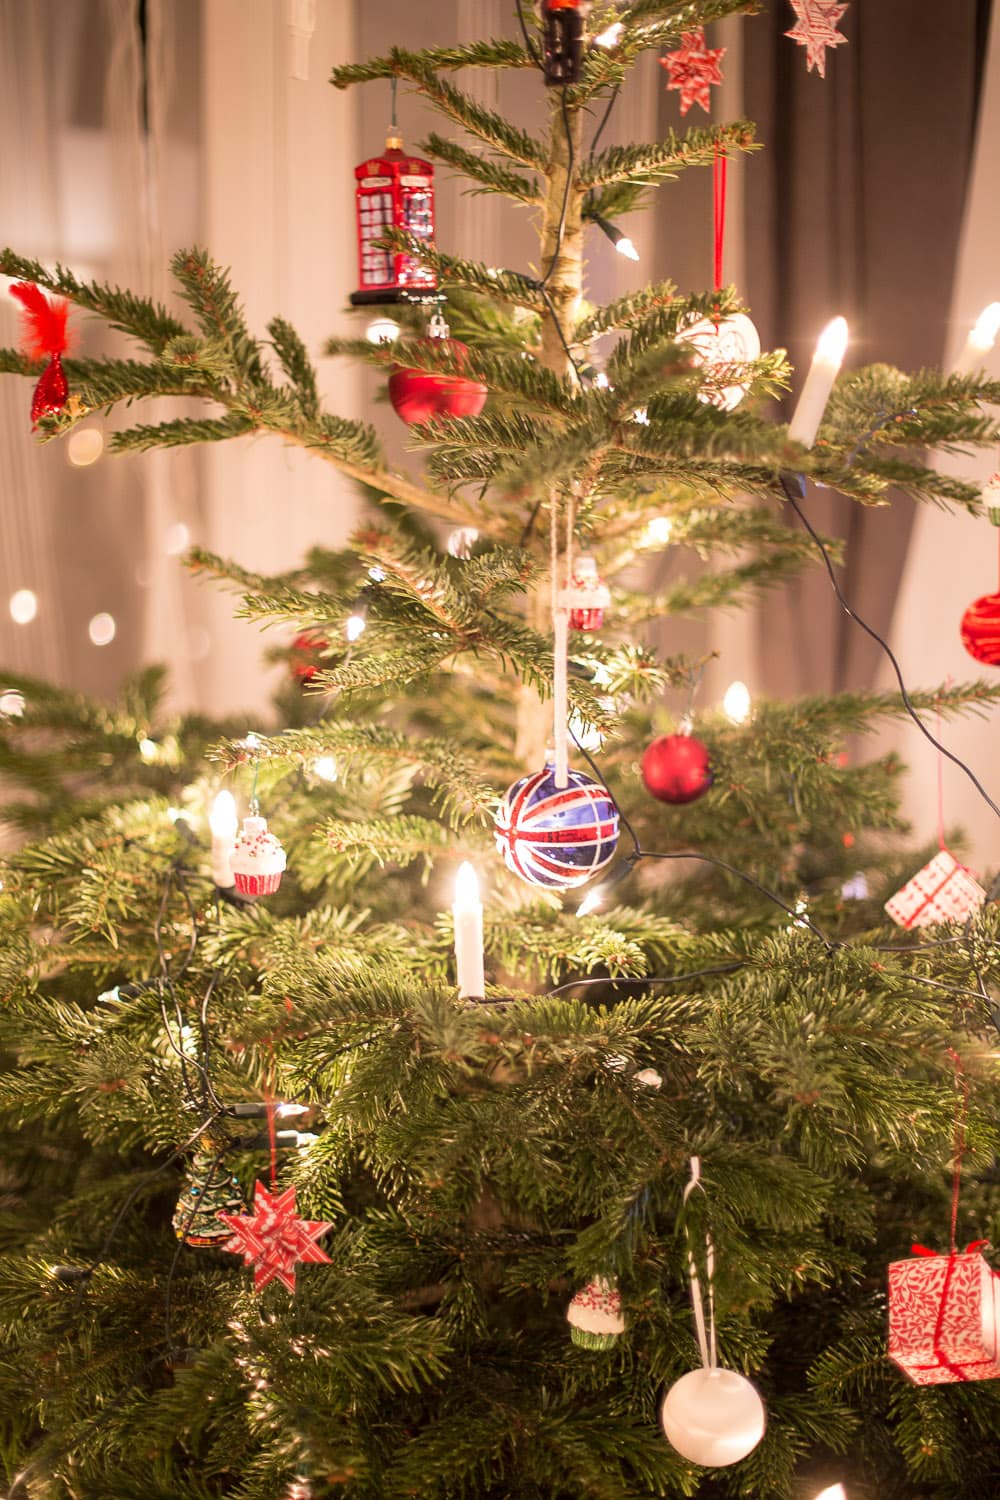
(177,539)
(325,767)
(736,702)
(23,606)
(659,531)
(354,627)
(85,446)
(148,749)
(102,629)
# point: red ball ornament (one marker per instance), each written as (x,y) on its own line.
(675,768)
(981,629)
(421,395)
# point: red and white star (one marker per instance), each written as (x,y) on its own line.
(693,68)
(273,1238)
(816,29)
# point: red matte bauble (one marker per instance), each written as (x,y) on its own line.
(421,395)
(675,768)
(586,619)
(981,629)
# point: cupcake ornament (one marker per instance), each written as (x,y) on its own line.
(595,1315)
(258,860)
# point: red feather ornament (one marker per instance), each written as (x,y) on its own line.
(44,334)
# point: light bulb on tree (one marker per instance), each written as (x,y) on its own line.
(658,531)
(610,36)
(467,912)
(617,236)
(325,767)
(827,360)
(832,1492)
(223,823)
(736,702)
(354,627)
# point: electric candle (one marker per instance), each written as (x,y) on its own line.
(223,822)
(468,914)
(827,360)
(833,1492)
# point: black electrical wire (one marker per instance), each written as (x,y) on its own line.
(794,488)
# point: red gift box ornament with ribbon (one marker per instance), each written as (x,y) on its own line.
(944,1316)
(943,891)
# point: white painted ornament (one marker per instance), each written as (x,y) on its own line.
(732,341)
(595,1315)
(711,1416)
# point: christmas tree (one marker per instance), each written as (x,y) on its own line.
(719,1079)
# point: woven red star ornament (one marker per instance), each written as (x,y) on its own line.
(815,29)
(273,1238)
(693,68)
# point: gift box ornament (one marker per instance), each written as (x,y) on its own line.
(944,1316)
(943,891)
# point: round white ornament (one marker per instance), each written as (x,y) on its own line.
(713,1417)
(734,340)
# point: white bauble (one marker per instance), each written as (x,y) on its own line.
(734,340)
(713,1417)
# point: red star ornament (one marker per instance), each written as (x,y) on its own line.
(273,1238)
(816,29)
(693,68)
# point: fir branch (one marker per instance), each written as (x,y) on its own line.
(297,365)
(489,174)
(628,310)
(494,53)
(653,164)
(217,309)
(473,276)
(180,432)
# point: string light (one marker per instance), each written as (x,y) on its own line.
(832,1492)
(659,531)
(354,627)
(591,902)
(461,541)
(985,329)
(382,331)
(11,703)
(102,629)
(325,767)
(611,35)
(23,606)
(617,236)
(641,415)
(376,574)
(736,702)
(85,447)
(148,749)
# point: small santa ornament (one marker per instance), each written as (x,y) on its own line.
(586,596)
(258,860)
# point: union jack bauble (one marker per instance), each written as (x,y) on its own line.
(557,837)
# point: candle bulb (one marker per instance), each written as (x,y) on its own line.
(223,822)
(833,1492)
(827,360)
(468,914)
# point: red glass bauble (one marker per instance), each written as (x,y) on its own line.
(675,768)
(981,629)
(421,395)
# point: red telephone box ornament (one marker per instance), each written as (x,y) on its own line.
(395,191)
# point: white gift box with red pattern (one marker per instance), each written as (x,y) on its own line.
(944,1317)
(943,891)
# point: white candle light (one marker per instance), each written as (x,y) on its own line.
(223,822)
(468,914)
(833,1492)
(827,360)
